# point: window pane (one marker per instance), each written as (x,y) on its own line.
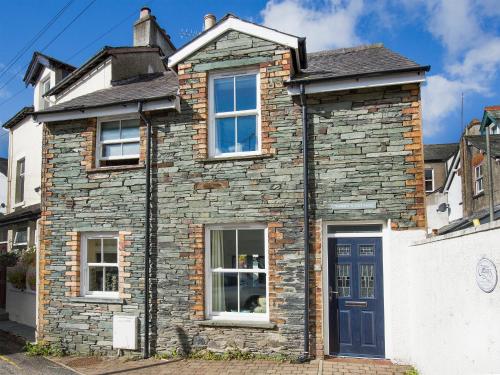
(223,249)
(111,150)
(224,135)
(224,94)
(343,250)
(428,174)
(224,292)
(110,250)
(131,148)
(111,284)
(246,92)
(251,248)
(21,236)
(367,281)
(130,129)
(247,133)
(95,279)
(253,292)
(343,280)
(94,251)
(428,185)
(110,130)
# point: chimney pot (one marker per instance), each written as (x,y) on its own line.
(209,21)
(145,12)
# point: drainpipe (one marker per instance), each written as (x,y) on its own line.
(491,203)
(305,151)
(147,230)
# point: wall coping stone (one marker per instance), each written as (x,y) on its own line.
(459,233)
(109,301)
(236,323)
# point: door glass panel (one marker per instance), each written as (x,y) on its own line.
(343,250)
(367,281)
(366,250)
(343,280)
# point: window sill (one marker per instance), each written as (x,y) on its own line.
(480,194)
(18,204)
(236,158)
(117,168)
(237,324)
(102,300)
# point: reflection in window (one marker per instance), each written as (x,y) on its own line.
(367,281)
(343,280)
(238,271)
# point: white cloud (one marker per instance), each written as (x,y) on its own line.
(330,26)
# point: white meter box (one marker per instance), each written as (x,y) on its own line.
(124,332)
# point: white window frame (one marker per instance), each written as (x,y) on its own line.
(478,179)
(235,316)
(251,112)
(21,202)
(99,143)
(44,101)
(84,266)
(432,180)
(16,245)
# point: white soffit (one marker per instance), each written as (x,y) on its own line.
(232,23)
(111,110)
(358,83)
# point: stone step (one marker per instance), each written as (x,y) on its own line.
(4,315)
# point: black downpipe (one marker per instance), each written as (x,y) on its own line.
(147,229)
(305,156)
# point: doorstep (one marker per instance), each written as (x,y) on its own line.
(17,329)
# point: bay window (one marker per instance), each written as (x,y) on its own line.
(236,264)
(234,127)
(118,142)
(99,275)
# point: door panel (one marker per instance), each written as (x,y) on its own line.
(356,296)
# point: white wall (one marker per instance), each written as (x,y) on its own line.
(455,198)
(3,192)
(442,322)
(435,219)
(99,78)
(21,306)
(37,89)
(25,140)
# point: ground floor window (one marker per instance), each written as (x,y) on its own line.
(100,265)
(20,241)
(237,282)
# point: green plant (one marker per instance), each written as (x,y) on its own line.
(44,349)
(412,371)
(28,256)
(17,276)
(238,354)
(31,277)
(9,259)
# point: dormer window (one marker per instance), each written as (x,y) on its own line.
(234,128)
(118,142)
(44,88)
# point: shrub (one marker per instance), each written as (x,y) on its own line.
(8,259)
(44,349)
(17,276)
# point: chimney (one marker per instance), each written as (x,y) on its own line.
(147,33)
(209,21)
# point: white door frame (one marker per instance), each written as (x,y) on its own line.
(385,235)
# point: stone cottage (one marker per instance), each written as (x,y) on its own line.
(174,203)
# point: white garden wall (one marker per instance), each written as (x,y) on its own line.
(452,326)
(21,306)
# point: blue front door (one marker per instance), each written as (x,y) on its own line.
(356,297)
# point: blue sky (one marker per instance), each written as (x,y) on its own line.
(460,39)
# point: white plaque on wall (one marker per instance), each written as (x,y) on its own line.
(486,275)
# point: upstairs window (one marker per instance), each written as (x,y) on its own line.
(118,142)
(478,179)
(20,170)
(100,265)
(44,88)
(234,128)
(429,180)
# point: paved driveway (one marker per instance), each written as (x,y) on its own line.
(14,361)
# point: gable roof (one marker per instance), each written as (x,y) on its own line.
(491,115)
(479,142)
(38,62)
(19,116)
(231,22)
(357,61)
(439,152)
(141,88)
(95,60)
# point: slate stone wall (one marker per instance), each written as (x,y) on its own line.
(364,145)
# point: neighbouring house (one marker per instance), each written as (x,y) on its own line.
(471,171)
(3,234)
(3,185)
(213,221)
(438,159)
(20,223)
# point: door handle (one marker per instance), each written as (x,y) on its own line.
(332,292)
